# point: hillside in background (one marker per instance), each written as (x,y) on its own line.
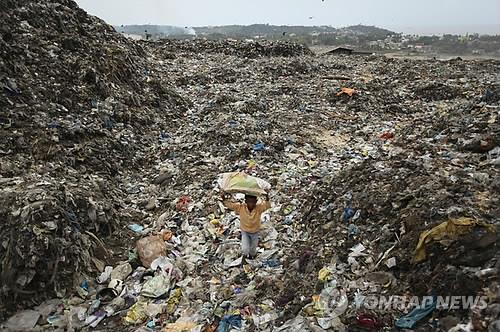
(263,30)
(365,30)
(254,30)
(360,37)
(161,30)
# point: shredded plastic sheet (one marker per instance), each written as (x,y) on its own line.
(136,313)
(156,287)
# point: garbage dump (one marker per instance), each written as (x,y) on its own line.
(383,178)
(76,102)
(247,49)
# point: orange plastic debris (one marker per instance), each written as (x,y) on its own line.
(167,235)
(347,91)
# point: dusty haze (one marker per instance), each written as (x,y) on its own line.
(421,17)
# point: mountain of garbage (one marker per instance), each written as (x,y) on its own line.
(384,175)
(76,103)
(249,49)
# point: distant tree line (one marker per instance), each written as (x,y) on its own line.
(358,36)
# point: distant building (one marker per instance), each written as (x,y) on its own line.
(341,51)
(346,51)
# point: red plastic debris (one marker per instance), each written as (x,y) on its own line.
(368,321)
(182,203)
(387,135)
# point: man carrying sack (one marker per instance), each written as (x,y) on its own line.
(250,211)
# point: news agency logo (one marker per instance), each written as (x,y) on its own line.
(333,303)
(405,303)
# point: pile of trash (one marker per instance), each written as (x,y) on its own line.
(246,49)
(75,107)
(384,179)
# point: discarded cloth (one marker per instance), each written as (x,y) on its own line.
(450,229)
(410,320)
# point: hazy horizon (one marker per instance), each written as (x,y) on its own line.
(424,17)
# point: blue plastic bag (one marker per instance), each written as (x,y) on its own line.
(410,320)
(228,321)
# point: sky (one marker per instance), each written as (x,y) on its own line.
(408,16)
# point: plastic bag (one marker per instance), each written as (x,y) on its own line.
(156,287)
(410,320)
(150,248)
